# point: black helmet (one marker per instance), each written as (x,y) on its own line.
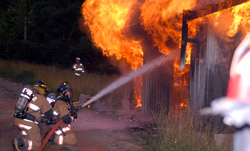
(42,86)
(65,90)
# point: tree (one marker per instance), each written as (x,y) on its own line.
(46,31)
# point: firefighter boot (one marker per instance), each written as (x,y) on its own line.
(18,144)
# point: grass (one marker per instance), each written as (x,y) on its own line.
(179,131)
(27,73)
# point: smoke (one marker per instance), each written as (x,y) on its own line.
(125,79)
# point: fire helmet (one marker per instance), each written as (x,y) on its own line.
(41,86)
(239,83)
(51,98)
(65,90)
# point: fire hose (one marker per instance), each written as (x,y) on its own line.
(121,81)
(51,132)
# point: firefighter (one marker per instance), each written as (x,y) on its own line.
(65,110)
(78,67)
(27,120)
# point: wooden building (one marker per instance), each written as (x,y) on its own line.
(209,68)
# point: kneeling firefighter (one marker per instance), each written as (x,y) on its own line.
(27,116)
(64,107)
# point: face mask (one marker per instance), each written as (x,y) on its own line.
(68,94)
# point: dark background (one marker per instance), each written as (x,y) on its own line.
(53,34)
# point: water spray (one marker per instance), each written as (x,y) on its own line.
(118,83)
(125,79)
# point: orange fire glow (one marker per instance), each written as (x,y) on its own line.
(162,19)
(229,22)
(138,91)
(108,21)
(241,19)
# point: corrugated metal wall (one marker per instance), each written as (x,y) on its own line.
(209,72)
(157,85)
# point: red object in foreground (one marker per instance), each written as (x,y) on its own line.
(46,139)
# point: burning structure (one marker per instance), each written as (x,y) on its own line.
(221,28)
(139,31)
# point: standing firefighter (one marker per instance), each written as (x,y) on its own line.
(64,107)
(28,110)
(78,67)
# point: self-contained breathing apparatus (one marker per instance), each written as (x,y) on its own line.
(22,104)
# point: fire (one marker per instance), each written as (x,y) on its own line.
(138,91)
(229,22)
(241,19)
(107,21)
(163,20)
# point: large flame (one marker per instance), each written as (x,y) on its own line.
(241,19)
(108,21)
(229,22)
(162,19)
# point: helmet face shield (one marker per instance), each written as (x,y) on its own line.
(65,90)
(68,94)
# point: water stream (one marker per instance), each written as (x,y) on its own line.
(125,79)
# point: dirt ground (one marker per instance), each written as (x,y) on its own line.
(96,131)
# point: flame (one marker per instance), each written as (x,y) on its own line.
(229,22)
(107,21)
(138,91)
(162,19)
(241,17)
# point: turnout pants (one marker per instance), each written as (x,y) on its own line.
(68,139)
(30,134)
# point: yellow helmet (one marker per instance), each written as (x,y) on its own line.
(41,86)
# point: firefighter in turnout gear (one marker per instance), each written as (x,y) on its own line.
(28,110)
(78,67)
(65,110)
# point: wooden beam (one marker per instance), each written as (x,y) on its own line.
(190,15)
